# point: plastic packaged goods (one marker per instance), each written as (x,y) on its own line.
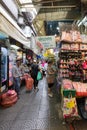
(81,89)
(83,46)
(84,38)
(65,46)
(9,103)
(76,37)
(84,65)
(70,107)
(67,84)
(29,81)
(9,98)
(71,36)
(74,46)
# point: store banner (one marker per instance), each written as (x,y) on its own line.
(46,41)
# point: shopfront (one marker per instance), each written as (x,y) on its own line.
(3,65)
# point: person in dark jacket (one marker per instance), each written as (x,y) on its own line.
(34,72)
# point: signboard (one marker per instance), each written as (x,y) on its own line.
(46,41)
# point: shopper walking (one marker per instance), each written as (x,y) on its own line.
(34,71)
(50,77)
(16,76)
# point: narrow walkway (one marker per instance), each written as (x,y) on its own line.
(33,111)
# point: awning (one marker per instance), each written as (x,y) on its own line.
(10,27)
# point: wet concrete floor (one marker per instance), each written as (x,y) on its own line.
(35,111)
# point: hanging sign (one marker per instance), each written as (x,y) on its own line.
(46,41)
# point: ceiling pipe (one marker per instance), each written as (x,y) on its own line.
(46,2)
(64,6)
(60,6)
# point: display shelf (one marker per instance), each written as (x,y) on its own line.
(73,55)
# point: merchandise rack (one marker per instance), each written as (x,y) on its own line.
(70,66)
(66,55)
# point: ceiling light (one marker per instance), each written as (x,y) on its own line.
(25,1)
(57,28)
(15,47)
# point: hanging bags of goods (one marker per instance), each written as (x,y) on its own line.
(70,107)
(71,36)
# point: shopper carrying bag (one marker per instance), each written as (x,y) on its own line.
(50,77)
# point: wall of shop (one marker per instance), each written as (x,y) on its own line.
(3,65)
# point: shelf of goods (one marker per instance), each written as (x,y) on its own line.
(73,72)
(72,61)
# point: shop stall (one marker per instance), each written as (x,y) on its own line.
(73,75)
(4,67)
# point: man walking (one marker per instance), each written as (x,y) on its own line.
(16,76)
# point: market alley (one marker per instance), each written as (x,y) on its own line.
(33,111)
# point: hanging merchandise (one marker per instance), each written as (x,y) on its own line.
(45,55)
(71,36)
(76,37)
(39,56)
(73,75)
(19,54)
(29,54)
(84,38)
(69,107)
(66,36)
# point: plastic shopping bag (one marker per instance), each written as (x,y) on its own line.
(39,76)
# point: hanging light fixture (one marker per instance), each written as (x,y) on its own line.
(15,47)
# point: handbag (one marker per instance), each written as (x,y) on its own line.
(39,75)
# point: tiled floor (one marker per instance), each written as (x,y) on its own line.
(35,111)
